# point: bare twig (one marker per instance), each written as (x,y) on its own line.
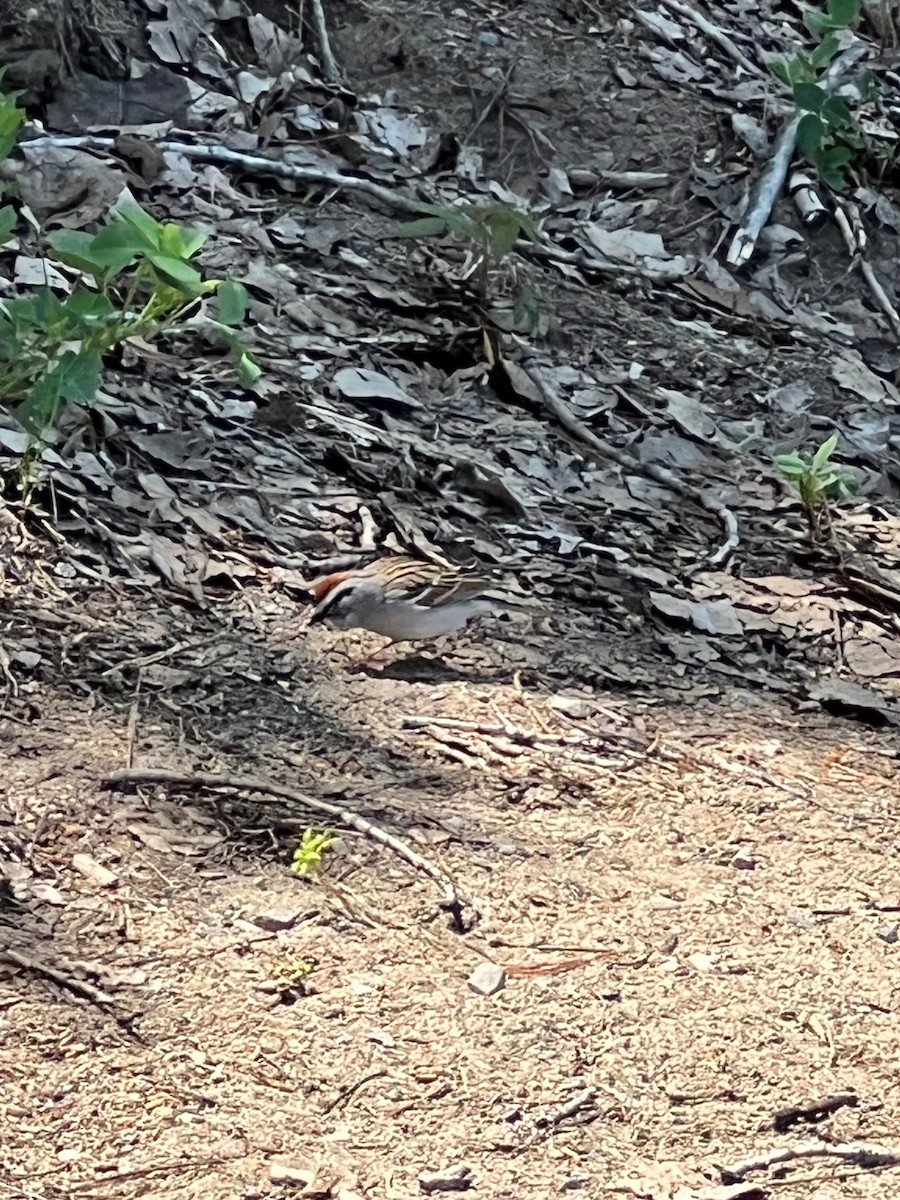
(578,1101)
(494,100)
(255,163)
(80,986)
(522,737)
(765,193)
(814,1111)
(452,901)
(329,66)
(720,38)
(861,1154)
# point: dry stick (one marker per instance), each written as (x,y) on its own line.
(452,901)
(846,216)
(256,163)
(719,37)
(329,66)
(862,1154)
(79,986)
(494,99)
(558,409)
(392,197)
(524,737)
(771,181)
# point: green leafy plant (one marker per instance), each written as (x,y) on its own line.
(828,133)
(307,859)
(820,483)
(133,278)
(493,231)
(290,981)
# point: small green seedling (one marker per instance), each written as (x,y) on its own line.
(819,483)
(492,230)
(307,858)
(290,981)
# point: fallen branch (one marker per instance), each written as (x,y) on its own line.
(452,902)
(814,1111)
(393,198)
(71,983)
(860,1154)
(329,66)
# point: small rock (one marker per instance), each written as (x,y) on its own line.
(701,962)
(457,1178)
(489,39)
(800,919)
(94,871)
(888,933)
(275,919)
(487,978)
(743,861)
(288,1171)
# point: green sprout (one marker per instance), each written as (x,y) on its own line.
(307,859)
(818,481)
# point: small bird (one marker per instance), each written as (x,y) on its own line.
(401,598)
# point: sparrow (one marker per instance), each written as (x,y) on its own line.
(400,598)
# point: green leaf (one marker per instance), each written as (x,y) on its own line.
(89,305)
(780,70)
(809,96)
(48,310)
(248,370)
(73,247)
(131,213)
(177,272)
(11,118)
(836,111)
(232,301)
(40,407)
(179,241)
(833,177)
(424,227)
(824,452)
(817,22)
(504,228)
(836,156)
(794,459)
(8,221)
(465,226)
(800,69)
(435,210)
(75,377)
(103,253)
(81,373)
(843,13)
(810,133)
(869,85)
(824,52)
